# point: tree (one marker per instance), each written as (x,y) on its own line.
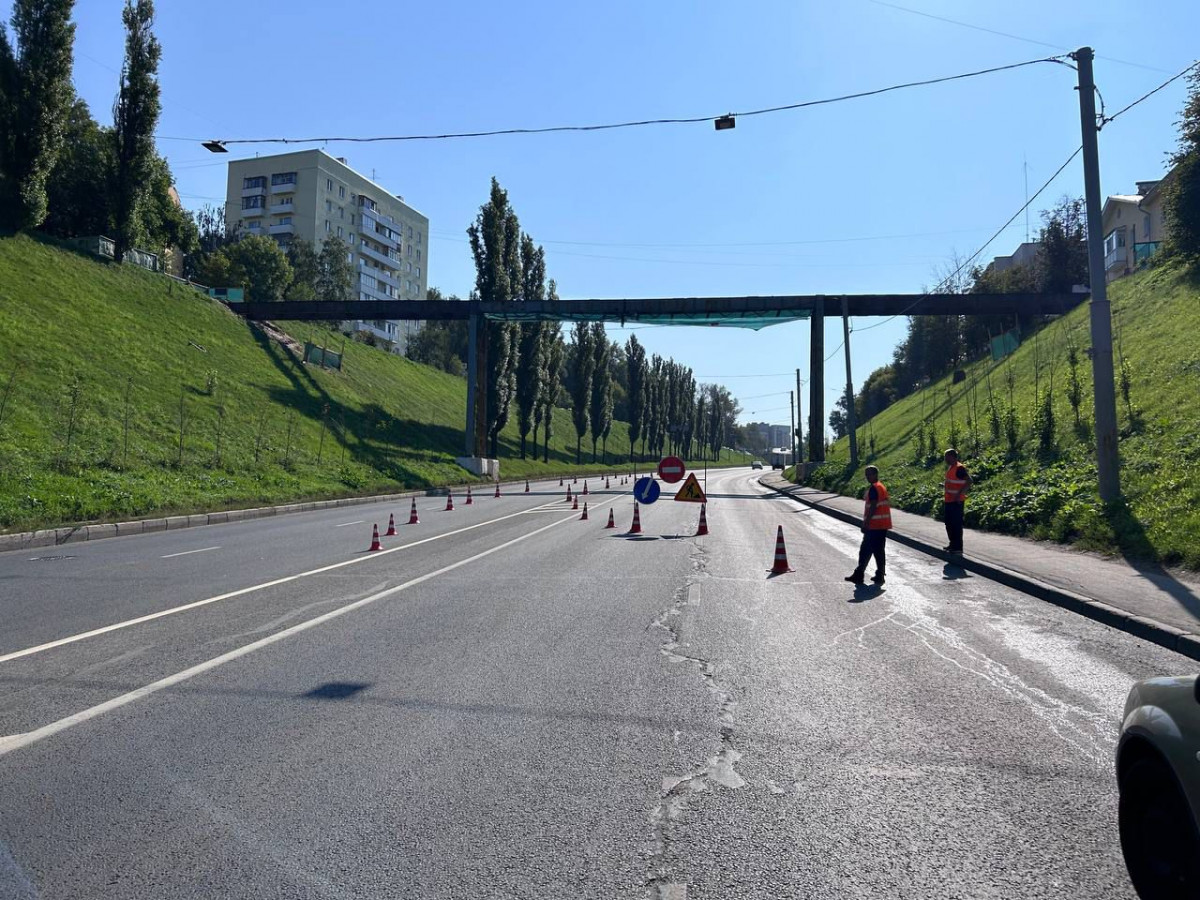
(495,245)
(211,237)
(601,399)
(35,101)
(1062,256)
(635,361)
(582,361)
(77,187)
(255,263)
(306,269)
(556,354)
(531,365)
(838,420)
(335,275)
(1183,191)
(135,115)
(162,223)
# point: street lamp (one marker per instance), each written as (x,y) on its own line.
(215,146)
(724,123)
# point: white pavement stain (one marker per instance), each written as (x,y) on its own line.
(18,741)
(189,552)
(71,639)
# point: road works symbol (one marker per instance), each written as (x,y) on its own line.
(671,469)
(646,490)
(691,492)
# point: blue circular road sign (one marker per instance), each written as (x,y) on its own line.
(645,490)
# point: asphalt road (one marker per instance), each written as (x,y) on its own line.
(509,702)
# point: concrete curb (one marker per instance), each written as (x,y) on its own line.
(1147,629)
(53,537)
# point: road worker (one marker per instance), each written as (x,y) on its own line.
(877,519)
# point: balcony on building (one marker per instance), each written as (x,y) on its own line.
(382,237)
(284,183)
(287,228)
(383,276)
(283,207)
(255,190)
(373,293)
(248,211)
(379,256)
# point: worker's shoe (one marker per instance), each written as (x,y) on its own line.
(856,578)
(877,578)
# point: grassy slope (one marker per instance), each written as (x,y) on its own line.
(64,316)
(1052,495)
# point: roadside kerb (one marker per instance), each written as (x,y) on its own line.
(53,537)
(1148,629)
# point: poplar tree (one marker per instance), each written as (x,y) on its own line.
(531,365)
(601,398)
(635,360)
(135,116)
(36,95)
(583,367)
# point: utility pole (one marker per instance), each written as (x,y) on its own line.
(792,443)
(799,421)
(1104,394)
(851,425)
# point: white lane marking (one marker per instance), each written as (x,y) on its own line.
(355,522)
(71,639)
(18,741)
(187,552)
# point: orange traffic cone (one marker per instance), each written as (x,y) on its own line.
(781,563)
(636,527)
(703,529)
(449,502)
(606,484)
(391,526)
(527,485)
(470,500)
(497,490)
(412,516)
(576,481)
(585,490)
(375,545)
(612,523)
(568,493)
(575,505)
(584,517)
(560,481)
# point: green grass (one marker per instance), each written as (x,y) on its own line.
(1051,492)
(72,325)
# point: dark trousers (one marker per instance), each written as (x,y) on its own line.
(954,525)
(874,543)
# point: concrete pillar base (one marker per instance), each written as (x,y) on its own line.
(480,465)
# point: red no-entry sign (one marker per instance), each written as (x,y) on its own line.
(671,469)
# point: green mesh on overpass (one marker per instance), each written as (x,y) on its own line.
(753,320)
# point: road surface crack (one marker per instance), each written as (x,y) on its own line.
(662,882)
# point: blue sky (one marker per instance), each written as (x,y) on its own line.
(863,196)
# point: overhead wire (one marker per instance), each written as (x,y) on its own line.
(683,120)
(1104,120)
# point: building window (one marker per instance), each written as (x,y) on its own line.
(328,206)
(418,239)
(410,232)
(256,182)
(329,185)
(351,218)
(349,257)
(252,202)
(327,227)
(341,212)
(283,178)
(418,256)
(339,231)
(342,192)
(284,220)
(418,272)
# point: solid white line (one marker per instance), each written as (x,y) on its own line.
(186,552)
(50,645)
(355,522)
(18,741)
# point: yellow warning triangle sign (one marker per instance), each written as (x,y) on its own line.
(691,492)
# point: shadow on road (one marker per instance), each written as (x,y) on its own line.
(953,572)
(865,592)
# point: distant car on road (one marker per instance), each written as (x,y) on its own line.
(757,464)
(1158,775)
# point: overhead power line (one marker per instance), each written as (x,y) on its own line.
(609,126)
(1104,120)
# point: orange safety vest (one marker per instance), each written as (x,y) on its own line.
(882,520)
(953,485)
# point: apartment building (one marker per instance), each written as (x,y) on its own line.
(1134,227)
(313,196)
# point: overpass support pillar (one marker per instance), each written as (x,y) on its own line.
(475,444)
(816,384)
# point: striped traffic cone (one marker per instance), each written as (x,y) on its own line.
(527,485)
(412,516)
(576,481)
(612,522)
(636,527)
(375,545)
(575,505)
(470,499)
(606,484)
(585,490)
(391,532)
(584,517)
(497,490)
(449,502)
(568,493)
(703,529)
(560,481)
(781,562)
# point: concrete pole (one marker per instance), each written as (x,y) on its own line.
(816,383)
(850,423)
(1104,393)
(792,439)
(472,386)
